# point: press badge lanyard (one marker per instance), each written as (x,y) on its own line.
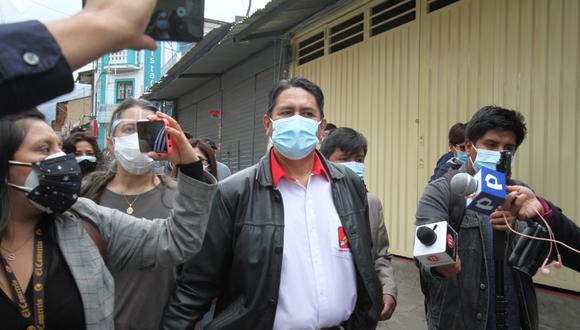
(33,317)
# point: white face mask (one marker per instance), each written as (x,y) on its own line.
(130,157)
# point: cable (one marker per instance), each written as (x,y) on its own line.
(551,239)
(539,238)
(249,6)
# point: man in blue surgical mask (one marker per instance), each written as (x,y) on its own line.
(348,147)
(481,290)
(288,244)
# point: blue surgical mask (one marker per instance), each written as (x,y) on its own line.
(486,158)
(295,137)
(357,168)
(461,157)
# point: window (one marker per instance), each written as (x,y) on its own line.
(433,5)
(347,33)
(124,90)
(118,57)
(311,48)
(391,14)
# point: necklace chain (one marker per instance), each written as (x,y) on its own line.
(130,208)
(11,254)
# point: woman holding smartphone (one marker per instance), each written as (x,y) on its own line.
(53,274)
(131,185)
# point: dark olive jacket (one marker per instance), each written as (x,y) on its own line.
(241,259)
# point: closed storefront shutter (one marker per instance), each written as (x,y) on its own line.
(238,125)
(206,124)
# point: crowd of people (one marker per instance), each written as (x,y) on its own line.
(106,240)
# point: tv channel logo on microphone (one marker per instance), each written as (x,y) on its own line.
(491,191)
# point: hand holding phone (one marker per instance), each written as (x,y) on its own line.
(153,136)
(179,150)
(177,20)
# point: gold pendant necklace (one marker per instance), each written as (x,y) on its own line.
(130,209)
(11,256)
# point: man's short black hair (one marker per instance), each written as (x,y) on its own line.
(296,82)
(346,139)
(493,117)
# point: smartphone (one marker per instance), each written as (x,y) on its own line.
(505,162)
(153,136)
(177,20)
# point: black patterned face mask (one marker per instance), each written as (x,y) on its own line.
(53,184)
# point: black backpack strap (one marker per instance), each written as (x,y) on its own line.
(456,206)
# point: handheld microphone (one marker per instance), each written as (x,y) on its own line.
(435,244)
(489,191)
(487,185)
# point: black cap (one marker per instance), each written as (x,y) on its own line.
(426,235)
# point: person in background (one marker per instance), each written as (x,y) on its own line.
(73,242)
(130,185)
(206,154)
(37,60)
(329,128)
(288,245)
(456,155)
(86,150)
(223,170)
(348,147)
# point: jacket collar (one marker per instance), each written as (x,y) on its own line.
(264,172)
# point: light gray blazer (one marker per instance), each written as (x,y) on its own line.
(131,243)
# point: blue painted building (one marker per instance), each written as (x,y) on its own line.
(128,73)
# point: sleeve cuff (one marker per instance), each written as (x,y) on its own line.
(192,170)
(547,209)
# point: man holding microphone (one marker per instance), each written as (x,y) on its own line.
(464,295)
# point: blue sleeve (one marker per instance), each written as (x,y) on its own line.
(32,68)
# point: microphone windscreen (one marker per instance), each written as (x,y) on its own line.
(426,235)
(463,184)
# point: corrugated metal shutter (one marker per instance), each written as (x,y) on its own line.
(206,125)
(187,118)
(405,87)
(238,124)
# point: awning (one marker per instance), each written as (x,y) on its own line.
(229,45)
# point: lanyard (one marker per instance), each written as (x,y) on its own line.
(33,317)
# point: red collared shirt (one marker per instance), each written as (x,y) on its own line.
(278,172)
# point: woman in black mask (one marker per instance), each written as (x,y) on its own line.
(57,252)
(85,149)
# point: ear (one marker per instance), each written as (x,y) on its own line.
(110,144)
(321,129)
(267,125)
(470,150)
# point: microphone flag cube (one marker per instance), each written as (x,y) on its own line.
(491,191)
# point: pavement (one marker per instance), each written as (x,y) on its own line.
(557,310)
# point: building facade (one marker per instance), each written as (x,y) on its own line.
(129,73)
(402,72)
